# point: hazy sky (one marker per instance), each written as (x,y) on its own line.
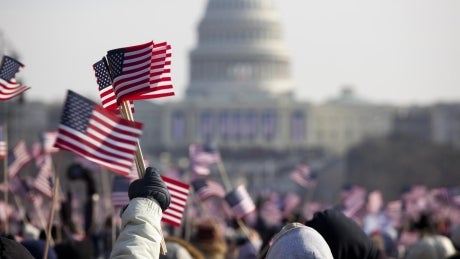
(392,51)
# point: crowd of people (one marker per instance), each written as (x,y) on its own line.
(276,229)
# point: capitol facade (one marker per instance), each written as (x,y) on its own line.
(241,94)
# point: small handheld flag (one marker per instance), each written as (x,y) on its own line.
(97,135)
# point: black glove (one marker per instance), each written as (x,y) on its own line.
(152,187)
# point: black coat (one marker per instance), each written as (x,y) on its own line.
(345,237)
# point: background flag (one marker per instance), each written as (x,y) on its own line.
(202,157)
(354,200)
(97,135)
(204,154)
(206,188)
(240,202)
(8,86)
(3,144)
(120,190)
(302,176)
(49,138)
(179,194)
(44,180)
(18,158)
(22,187)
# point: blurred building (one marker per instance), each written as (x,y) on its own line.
(240,93)
(446,124)
(26,120)
(346,120)
(439,123)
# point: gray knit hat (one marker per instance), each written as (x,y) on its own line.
(296,240)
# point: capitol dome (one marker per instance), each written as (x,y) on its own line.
(240,53)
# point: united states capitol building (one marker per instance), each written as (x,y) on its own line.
(241,94)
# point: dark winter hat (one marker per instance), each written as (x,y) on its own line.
(10,249)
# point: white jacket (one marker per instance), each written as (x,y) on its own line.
(141,233)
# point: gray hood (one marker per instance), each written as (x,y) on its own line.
(296,240)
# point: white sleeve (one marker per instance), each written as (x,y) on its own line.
(141,233)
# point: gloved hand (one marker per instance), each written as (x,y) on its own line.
(152,187)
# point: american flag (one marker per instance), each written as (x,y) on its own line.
(302,176)
(18,158)
(270,210)
(37,153)
(18,186)
(9,88)
(291,202)
(106,92)
(179,194)
(200,170)
(141,71)
(22,187)
(120,190)
(240,201)
(44,180)
(101,72)
(3,145)
(202,157)
(130,69)
(160,73)
(98,135)
(49,138)
(354,200)
(206,188)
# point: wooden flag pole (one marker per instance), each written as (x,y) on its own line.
(56,187)
(126,113)
(224,175)
(49,239)
(5,179)
(41,218)
(228,186)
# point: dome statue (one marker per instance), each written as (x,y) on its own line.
(240,53)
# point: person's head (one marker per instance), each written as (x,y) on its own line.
(208,231)
(344,236)
(425,224)
(431,247)
(296,240)
(209,239)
